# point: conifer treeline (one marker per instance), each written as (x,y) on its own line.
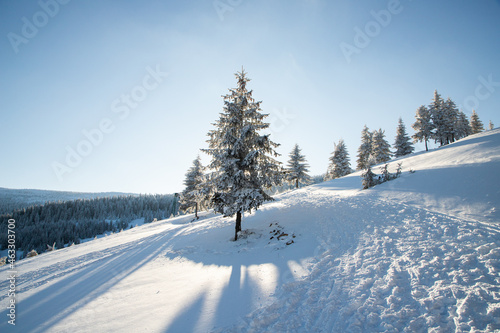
(441,120)
(71,221)
(444,122)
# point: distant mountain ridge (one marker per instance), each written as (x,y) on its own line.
(13,199)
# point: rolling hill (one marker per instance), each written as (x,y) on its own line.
(416,254)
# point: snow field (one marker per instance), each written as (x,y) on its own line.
(410,255)
(411,270)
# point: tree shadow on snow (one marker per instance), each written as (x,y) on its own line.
(257,269)
(235,301)
(242,293)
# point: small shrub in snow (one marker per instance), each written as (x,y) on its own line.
(370,179)
(386,175)
(3,261)
(399,169)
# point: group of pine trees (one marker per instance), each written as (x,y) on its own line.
(242,171)
(244,168)
(375,149)
(67,222)
(443,122)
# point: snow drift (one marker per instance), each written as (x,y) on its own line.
(419,253)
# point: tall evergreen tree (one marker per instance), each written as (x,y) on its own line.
(423,126)
(297,170)
(364,149)
(436,109)
(242,159)
(339,162)
(462,126)
(476,125)
(490,125)
(402,145)
(450,113)
(193,195)
(380,147)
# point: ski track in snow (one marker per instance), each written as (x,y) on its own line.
(40,277)
(411,271)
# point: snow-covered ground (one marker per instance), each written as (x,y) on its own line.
(420,253)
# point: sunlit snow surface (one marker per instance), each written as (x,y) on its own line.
(419,253)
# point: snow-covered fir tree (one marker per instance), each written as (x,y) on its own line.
(340,164)
(297,169)
(193,196)
(490,125)
(436,109)
(368,178)
(462,126)
(476,125)
(242,159)
(380,147)
(423,126)
(402,145)
(450,116)
(364,149)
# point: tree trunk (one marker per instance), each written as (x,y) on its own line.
(238,225)
(196,211)
(426,149)
(297,182)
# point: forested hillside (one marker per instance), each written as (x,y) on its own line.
(14,199)
(64,223)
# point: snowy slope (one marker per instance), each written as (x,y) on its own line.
(419,253)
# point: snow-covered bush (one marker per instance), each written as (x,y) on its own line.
(370,179)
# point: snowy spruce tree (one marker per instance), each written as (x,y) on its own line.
(423,126)
(193,196)
(402,145)
(297,168)
(462,126)
(450,113)
(339,162)
(490,125)
(476,125)
(364,149)
(380,147)
(242,159)
(436,109)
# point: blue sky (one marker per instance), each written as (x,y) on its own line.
(133,87)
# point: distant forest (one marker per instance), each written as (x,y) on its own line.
(64,223)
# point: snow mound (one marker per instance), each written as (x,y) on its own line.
(416,254)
